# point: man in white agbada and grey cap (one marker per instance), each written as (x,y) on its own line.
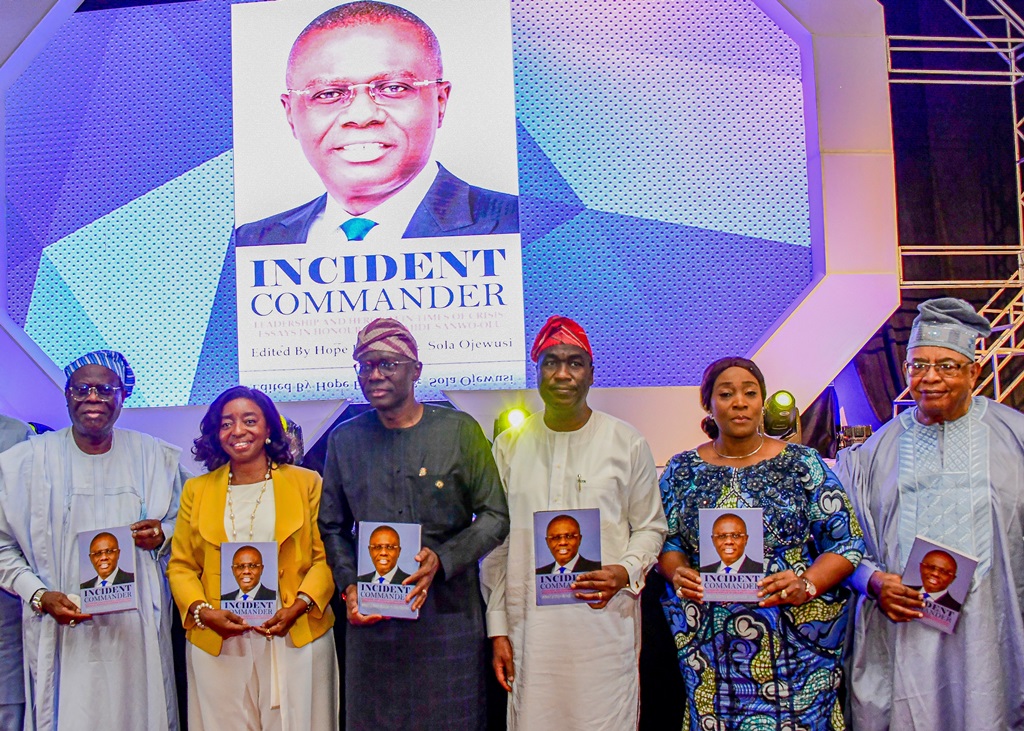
(91,671)
(952,470)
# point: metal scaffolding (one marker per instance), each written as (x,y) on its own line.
(989,53)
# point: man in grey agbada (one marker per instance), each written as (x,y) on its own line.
(952,470)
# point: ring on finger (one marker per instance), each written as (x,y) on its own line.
(600,596)
(71,623)
(679,592)
(782,593)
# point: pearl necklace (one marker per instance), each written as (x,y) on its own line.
(252,518)
(738,456)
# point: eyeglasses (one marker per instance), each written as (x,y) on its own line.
(388,92)
(559,537)
(246,566)
(384,546)
(103,391)
(106,552)
(386,367)
(727,536)
(940,570)
(945,369)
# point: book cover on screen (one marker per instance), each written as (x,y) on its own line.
(106,564)
(731,553)
(292,278)
(387,557)
(248,579)
(943,576)
(566,543)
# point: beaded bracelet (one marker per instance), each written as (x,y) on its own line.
(195,613)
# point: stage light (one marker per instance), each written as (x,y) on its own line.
(511,418)
(781,416)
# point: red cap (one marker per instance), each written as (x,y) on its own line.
(560,330)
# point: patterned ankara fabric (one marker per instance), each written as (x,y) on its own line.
(744,666)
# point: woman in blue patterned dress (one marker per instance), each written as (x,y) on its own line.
(777,663)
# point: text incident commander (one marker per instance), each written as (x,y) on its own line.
(365,99)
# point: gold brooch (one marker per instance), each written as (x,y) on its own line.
(439,484)
(423,471)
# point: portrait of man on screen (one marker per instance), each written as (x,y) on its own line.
(365,98)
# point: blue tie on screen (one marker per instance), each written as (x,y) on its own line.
(728,569)
(356,228)
(380,580)
(561,569)
(103,583)
(245,597)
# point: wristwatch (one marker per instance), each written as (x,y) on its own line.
(812,590)
(36,602)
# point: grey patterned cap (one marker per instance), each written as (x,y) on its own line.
(948,322)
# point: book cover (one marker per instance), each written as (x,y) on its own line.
(106,564)
(566,543)
(731,553)
(387,557)
(248,579)
(943,576)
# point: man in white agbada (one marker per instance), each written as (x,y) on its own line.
(572,665)
(111,671)
(951,470)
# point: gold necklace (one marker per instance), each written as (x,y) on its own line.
(231,506)
(737,456)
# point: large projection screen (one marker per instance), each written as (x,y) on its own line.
(671,163)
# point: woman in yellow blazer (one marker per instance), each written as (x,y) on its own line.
(242,675)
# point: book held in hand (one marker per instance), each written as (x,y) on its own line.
(566,543)
(943,576)
(248,579)
(106,562)
(731,553)
(387,557)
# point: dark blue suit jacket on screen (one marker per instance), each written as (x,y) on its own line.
(451,207)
